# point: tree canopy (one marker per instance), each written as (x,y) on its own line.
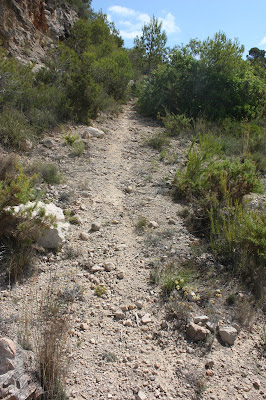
(150,47)
(205,78)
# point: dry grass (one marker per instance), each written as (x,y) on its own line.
(44,328)
(51,344)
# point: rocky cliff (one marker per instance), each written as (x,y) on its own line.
(29,27)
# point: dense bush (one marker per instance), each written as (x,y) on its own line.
(91,68)
(238,237)
(217,185)
(88,73)
(205,79)
(18,229)
(176,124)
(27,106)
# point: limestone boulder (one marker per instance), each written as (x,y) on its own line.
(54,236)
(228,334)
(196,332)
(17,380)
(93,132)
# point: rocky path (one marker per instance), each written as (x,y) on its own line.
(122,345)
(118,347)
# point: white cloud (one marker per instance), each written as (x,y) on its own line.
(130,22)
(262,42)
(124,11)
(169,24)
(144,18)
(130,35)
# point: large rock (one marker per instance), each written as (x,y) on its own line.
(28,27)
(228,334)
(54,236)
(7,355)
(93,132)
(196,332)
(16,383)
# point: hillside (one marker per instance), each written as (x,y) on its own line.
(29,28)
(125,343)
(132,211)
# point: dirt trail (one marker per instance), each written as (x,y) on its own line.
(122,346)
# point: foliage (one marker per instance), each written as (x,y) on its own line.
(77,149)
(75,144)
(82,7)
(150,48)
(27,106)
(71,217)
(239,235)
(70,139)
(87,73)
(176,124)
(171,280)
(50,173)
(207,175)
(205,79)
(15,129)
(18,228)
(90,68)
(100,290)
(217,184)
(141,223)
(158,141)
(257,55)
(114,73)
(257,60)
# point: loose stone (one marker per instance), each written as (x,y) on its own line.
(146,319)
(196,332)
(228,334)
(95,226)
(141,396)
(120,275)
(129,189)
(84,236)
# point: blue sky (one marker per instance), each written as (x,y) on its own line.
(187,19)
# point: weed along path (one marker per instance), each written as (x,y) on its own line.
(127,340)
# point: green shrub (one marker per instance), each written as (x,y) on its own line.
(176,124)
(77,149)
(100,290)
(205,78)
(70,139)
(207,174)
(114,72)
(25,98)
(171,280)
(90,69)
(15,129)
(71,217)
(141,223)
(239,236)
(158,141)
(50,173)
(217,185)
(87,73)
(18,228)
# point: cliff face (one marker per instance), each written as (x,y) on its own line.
(29,27)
